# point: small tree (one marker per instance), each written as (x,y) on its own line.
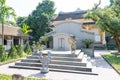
(2,53)
(37,45)
(45,39)
(87,42)
(12,52)
(28,49)
(20,50)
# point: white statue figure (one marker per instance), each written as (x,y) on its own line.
(45,60)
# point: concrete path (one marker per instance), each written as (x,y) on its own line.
(104,70)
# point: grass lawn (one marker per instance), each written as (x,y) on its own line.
(114,60)
(8,77)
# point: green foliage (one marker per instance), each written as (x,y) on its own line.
(20,51)
(114,60)
(37,45)
(12,52)
(27,49)
(111,47)
(108,20)
(73,46)
(45,39)
(87,42)
(3,55)
(25,29)
(5,13)
(21,20)
(40,18)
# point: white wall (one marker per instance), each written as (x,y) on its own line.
(74,28)
(56,42)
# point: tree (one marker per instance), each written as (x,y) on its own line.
(25,29)
(12,52)
(40,18)
(21,20)
(5,13)
(108,20)
(28,49)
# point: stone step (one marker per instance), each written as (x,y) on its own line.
(67,58)
(56,66)
(57,62)
(68,63)
(58,58)
(60,55)
(52,69)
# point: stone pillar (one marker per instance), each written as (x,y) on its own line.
(12,40)
(22,42)
(0,41)
(9,44)
(103,38)
(17,77)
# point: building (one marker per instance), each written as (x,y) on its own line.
(72,24)
(12,35)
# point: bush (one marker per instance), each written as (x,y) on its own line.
(12,52)
(20,50)
(3,55)
(28,49)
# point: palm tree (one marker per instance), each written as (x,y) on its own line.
(25,29)
(5,13)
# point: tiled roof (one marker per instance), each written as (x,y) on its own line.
(72,15)
(11,31)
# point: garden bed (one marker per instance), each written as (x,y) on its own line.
(113,60)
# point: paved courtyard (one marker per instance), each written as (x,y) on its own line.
(100,66)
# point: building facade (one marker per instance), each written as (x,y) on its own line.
(72,24)
(12,35)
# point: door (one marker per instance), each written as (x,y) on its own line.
(61,43)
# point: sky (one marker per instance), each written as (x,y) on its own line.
(25,7)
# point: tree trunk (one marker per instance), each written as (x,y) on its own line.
(117,42)
(3,32)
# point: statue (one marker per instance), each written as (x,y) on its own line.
(45,59)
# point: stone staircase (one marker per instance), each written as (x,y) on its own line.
(60,62)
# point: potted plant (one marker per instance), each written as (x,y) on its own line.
(73,47)
(87,42)
(88,49)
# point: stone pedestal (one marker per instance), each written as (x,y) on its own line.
(88,51)
(44,70)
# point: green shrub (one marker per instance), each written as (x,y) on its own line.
(28,49)
(111,47)
(20,50)
(9,77)
(12,52)
(87,42)
(2,53)
(4,57)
